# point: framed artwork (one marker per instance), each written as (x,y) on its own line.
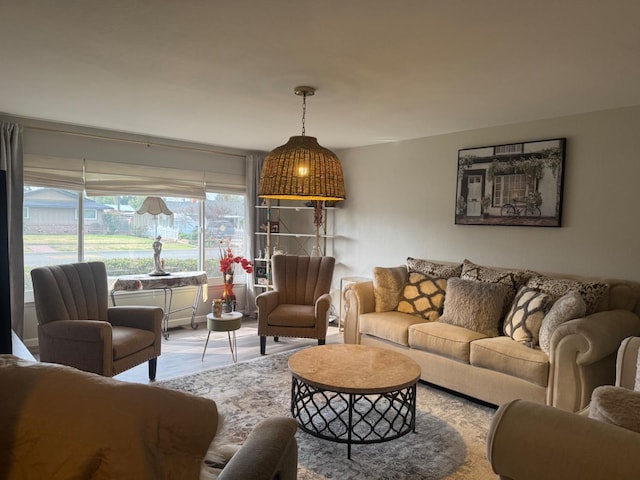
(261,272)
(513,184)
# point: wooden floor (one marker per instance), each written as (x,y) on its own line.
(182,352)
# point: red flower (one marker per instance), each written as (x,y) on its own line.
(227,259)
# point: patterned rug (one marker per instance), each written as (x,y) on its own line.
(449,442)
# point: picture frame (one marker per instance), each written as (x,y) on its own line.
(261,272)
(515,184)
(274,227)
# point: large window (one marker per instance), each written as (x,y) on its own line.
(111,231)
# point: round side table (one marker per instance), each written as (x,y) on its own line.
(228,322)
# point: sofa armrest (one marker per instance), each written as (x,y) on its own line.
(562,445)
(358,299)
(84,344)
(270,452)
(582,356)
(627,363)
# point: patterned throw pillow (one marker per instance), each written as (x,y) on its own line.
(423,296)
(433,269)
(591,292)
(526,315)
(513,279)
(566,308)
(388,283)
(474,305)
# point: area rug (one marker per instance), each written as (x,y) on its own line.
(449,442)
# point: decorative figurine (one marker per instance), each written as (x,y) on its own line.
(158,263)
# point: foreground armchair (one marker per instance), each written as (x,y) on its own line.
(58,422)
(299,304)
(76,326)
(529,441)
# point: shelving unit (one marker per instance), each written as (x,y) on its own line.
(288,228)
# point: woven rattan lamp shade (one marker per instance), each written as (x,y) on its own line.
(301,169)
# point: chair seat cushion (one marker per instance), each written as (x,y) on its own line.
(290,315)
(449,340)
(127,340)
(505,355)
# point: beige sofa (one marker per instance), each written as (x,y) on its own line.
(58,422)
(489,365)
(528,441)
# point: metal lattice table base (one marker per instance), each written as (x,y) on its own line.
(353,418)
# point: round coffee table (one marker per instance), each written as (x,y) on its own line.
(353,394)
(228,322)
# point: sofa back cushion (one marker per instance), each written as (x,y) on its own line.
(591,292)
(474,305)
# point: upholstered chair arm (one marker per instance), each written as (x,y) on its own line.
(359,299)
(627,363)
(146,318)
(266,302)
(84,344)
(270,452)
(582,354)
(530,441)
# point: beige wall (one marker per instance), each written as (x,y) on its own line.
(401,202)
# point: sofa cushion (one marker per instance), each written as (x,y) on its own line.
(525,316)
(504,355)
(567,307)
(433,269)
(444,339)
(617,406)
(423,296)
(591,292)
(514,279)
(474,305)
(388,283)
(392,326)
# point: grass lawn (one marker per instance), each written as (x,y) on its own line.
(96,243)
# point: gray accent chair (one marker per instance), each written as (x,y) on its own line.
(299,304)
(78,328)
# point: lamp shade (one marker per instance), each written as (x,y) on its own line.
(154,206)
(301,169)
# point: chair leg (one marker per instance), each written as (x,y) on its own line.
(263,345)
(321,341)
(153,363)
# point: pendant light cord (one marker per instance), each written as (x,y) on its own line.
(304,110)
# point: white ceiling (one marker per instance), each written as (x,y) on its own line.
(222,72)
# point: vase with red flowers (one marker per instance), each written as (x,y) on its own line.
(228,262)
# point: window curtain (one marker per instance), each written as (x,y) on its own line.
(11,160)
(253,168)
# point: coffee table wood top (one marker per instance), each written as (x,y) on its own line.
(354,368)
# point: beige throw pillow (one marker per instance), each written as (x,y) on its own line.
(526,315)
(566,308)
(617,406)
(474,305)
(388,283)
(423,296)
(513,279)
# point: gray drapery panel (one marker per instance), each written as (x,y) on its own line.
(11,160)
(253,167)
